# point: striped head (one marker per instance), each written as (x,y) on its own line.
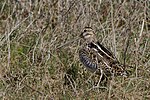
(88,34)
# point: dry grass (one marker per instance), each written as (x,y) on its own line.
(33,67)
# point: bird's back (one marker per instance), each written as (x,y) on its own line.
(95,56)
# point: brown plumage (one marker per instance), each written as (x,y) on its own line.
(96,57)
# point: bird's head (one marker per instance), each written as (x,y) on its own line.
(88,34)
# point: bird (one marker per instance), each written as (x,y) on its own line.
(97,58)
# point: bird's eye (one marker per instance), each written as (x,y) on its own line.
(85,30)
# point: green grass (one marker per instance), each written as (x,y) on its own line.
(33,67)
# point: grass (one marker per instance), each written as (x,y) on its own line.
(35,63)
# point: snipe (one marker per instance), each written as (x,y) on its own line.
(97,58)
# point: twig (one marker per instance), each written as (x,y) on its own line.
(67,43)
(74,89)
(113,28)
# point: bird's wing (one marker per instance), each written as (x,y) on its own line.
(94,58)
(103,51)
(110,54)
(88,62)
(109,61)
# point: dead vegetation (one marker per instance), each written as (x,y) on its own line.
(35,63)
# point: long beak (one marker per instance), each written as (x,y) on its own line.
(69,42)
(81,35)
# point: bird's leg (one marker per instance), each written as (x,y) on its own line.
(101,76)
(99,79)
